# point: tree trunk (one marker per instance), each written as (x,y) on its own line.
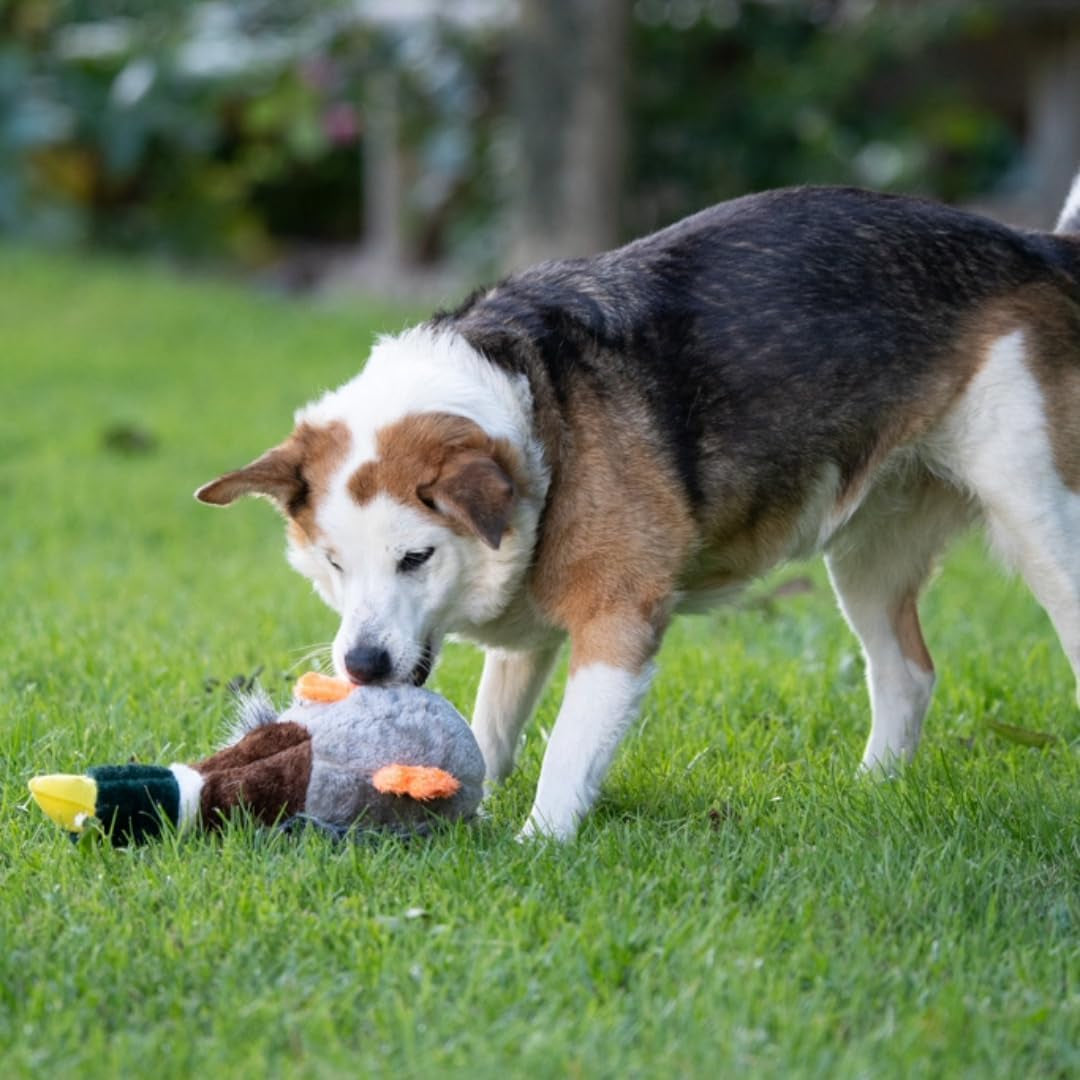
(382,239)
(1054,111)
(568,72)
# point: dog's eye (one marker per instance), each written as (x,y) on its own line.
(413,560)
(336,566)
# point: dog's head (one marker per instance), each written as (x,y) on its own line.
(410,530)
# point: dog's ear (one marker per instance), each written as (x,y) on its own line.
(288,474)
(475,491)
(277,476)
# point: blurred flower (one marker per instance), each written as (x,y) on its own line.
(341,123)
(220,46)
(209,58)
(94,41)
(319,73)
(37,121)
(133,82)
(879,163)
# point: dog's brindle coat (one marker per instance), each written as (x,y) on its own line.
(790,371)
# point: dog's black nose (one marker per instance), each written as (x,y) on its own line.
(367,663)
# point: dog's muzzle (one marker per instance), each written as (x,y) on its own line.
(420,673)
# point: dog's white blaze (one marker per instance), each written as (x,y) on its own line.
(421,370)
(464,583)
(380,606)
(600,703)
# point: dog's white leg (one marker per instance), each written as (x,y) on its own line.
(899,670)
(601,702)
(1036,528)
(510,688)
(876,567)
(1001,446)
(1034,523)
(1045,552)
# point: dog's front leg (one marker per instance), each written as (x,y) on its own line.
(509,690)
(602,699)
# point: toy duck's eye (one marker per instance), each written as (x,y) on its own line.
(335,565)
(413,560)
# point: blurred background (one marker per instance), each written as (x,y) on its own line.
(410,146)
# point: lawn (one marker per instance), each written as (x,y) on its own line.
(739,904)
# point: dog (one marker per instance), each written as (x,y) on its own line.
(593,445)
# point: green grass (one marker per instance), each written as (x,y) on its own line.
(738,904)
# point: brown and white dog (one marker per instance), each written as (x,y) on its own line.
(593,445)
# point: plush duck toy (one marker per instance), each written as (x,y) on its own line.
(393,758)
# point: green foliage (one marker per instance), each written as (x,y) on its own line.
(234,128)
(739,904)
(750,95)
(176,128)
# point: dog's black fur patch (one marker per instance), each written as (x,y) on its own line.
(766,335)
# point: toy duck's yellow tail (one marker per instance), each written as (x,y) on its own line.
(69,800)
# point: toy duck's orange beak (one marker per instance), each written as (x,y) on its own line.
(317,688)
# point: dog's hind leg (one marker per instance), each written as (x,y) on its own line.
(1037,530)
(877,565)
(510,687)
(1002,445)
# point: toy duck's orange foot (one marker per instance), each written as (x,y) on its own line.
(424,783)
(322,689)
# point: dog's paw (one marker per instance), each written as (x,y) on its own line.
(538,828)
(878,769)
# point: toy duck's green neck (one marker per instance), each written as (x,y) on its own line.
(130,802)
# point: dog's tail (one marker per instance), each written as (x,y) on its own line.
(1068,221)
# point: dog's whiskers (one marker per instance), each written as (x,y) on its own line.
(318,657)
